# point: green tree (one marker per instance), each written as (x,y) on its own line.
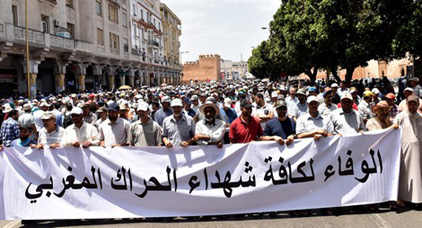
(261,64)
(338,34)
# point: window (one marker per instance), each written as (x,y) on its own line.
(45,24)
(69,3)
(135,10)
(114,41)
(100,37)
(113,13)
(142,32)
(125,45)
(124,19)
(15,15)
(99,8)
(135,29)
(71,29)
(142,14)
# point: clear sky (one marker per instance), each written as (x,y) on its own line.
(224,27)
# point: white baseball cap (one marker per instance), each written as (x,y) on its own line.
(143,106)
(76,111)
(176,102)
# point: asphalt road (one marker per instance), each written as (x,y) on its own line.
(383,219)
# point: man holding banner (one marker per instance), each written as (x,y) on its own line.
(313,124)
(80,133)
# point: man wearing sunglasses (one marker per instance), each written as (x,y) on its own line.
(281,128)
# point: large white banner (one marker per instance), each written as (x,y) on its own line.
(74,183)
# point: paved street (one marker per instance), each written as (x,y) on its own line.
(384,219)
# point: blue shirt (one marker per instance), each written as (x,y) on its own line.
(9,131)
(161,114)
(228,116)
(282,129)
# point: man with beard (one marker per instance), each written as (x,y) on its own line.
(281,127)
(80,133)
(145,131)
(313,124)
(24,140)
(210,131)
(89,117)
(346,120)
(114,131)
(178,129)
(262,110)
(410,181)
(327,107)
(245,128)
(381,120)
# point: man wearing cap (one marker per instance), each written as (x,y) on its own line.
(346,120)
(281,127)
(115,130)
(327,106)
(89,117)
(102,116)
(381,120)
(336,96)
(365,106)
(417,89)
(300,108)
(410,181)
(145,131)
(394,109)
(124,110)
(44,106)
(164,112)
(187,110)
(51,134)
(262,110)
(195,103)
(375,97)
(292,99)
(80,133)
(403,104)
(9,128)
(209,131)
(24,140)
(245,128)
(178,129)
(313,124)
(27,119)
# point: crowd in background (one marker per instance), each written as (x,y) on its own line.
(219,113)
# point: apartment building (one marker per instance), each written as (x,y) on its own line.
(172,31)
(77,45)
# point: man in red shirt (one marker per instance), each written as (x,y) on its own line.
(245,128)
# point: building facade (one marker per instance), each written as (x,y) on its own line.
(172,31)
(81,45)
(206,68)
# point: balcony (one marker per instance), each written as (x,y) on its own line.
(61,42)
(35,37)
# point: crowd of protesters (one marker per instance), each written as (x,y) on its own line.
(219,113)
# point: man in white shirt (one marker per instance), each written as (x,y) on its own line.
(209,131)
(80,133)
(51,134)
(115,130)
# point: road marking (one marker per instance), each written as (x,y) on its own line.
(380,221)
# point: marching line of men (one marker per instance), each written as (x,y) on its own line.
(216,120)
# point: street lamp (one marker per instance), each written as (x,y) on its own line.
(264,28)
